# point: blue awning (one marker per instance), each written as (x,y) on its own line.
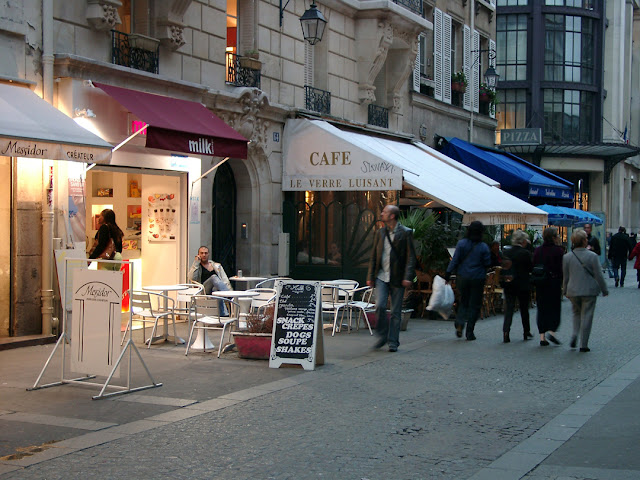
(516,176)
(565,216)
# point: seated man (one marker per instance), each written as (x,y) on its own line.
(210,274)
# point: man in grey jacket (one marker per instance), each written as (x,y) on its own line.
(582,281)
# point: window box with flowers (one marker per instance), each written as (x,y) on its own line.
(459,82)
(487,98)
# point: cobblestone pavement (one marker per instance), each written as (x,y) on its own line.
(440,408)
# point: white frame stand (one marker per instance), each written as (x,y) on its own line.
(66,338)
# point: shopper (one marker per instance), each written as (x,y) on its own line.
(108,241)
(391,269)
(593,242)
(470,262)
(582,282)
(520,287)
(619,250)
(636,253)
(549,291)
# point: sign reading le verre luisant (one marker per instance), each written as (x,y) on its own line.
(297,329)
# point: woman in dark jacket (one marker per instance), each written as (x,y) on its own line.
(109,230)
(549,291)
(520,288)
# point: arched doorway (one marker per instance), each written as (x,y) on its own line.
(223,223)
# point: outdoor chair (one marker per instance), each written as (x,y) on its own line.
(334,299)
(257,304)
(270,282)
(363,306)
(207,316)
(183,297)
(144,311)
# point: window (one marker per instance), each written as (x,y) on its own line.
(568,116)
(137,17)
(568,49)
(512,3)
(511,112)
(586,4)
(511,40)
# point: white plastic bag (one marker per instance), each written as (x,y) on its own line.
(442,297)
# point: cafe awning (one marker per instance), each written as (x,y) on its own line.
(180,125)
(320,156)
(516,176)
(31,127)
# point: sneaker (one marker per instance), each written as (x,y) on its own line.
(585,349)
(573,342)
(393,349)
(471,337)
(459,331)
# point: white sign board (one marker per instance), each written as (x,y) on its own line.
(96,312)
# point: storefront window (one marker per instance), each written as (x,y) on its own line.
(511,43)
(568,116)
(569,49)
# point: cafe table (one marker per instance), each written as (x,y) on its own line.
(202,341)
(165,289)
(247,280)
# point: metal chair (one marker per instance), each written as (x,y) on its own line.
(184,297)
(270,282)
(334,299)
(264,297)
(207,316)
(143,310)
(363,306)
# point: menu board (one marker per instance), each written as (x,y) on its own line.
(297,330)
(163,214)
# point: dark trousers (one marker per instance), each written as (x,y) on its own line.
(620,263)
(523,297)
(471,292)
(549,300)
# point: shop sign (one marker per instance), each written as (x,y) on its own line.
(520,136)
(52,151)
(506,218)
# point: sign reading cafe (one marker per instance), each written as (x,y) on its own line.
(320,157)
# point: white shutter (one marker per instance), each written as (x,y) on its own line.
(308,64)
(446,58)
(492,63)
(416,67)
(474,82)
(437,54)
(466,65)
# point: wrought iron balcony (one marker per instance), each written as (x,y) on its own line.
(414,6)
(378,116)
(242,71)
(317,100)
(129,54)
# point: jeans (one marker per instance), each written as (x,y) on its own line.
(213,283)
(523,297)
(471,292)
(389,330)
(583,309)
(622,265)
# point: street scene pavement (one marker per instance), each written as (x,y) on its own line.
(439,408)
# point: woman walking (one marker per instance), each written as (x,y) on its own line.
(582,282)
(109,237)
(636,253)
(470,262)
(520,287)
(549,291)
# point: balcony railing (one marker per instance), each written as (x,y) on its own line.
(317,100)
(378,116)
(414,6)
(122,53)
(239,75)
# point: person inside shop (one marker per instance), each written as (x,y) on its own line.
(496,255)
(210,274)
(619,250)
(108,241)
(593,242)
(335,257)
(303,255)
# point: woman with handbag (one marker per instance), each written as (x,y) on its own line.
(582,282)
(548,258)
(519,289)
(109,241)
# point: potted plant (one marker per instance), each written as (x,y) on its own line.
(250,60)
(486,94)
(459,82)
(255,341)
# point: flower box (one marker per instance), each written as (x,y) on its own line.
(143,42)
(255,346)
(250,63)
(458,87)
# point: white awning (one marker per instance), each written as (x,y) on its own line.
(433,174)
(30,127)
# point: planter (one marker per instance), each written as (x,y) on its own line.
(250,63)
(143,42)
(406,314)
(483,97)
(458,87)
(256,346)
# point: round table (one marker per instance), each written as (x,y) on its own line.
(165,289)
(202,341)
(247,280)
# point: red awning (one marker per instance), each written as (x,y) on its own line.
(180,125)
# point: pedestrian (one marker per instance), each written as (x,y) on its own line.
(108,241)
(470,262)
(593,242)
(549,291)
(619,250)
(636,253)
(582,282)
(520,287)
(496,256)
(392,268)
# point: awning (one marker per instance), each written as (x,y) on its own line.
(516,176)
(30,127)
(565,216)
(319,156)
(180,125)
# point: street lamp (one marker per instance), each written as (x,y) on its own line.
(490,79)
(312,22)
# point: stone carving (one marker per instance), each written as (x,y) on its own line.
(366,94)
(171,35)
(103,14)
(411,38)
(248,123)
(385,39)
(169,25)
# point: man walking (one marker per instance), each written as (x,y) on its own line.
(391,270)
(593,242)
(619,250)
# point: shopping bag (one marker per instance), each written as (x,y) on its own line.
(442,297)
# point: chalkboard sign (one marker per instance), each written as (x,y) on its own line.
(297,329)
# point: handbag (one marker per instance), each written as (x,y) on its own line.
(109,250)
(539,274)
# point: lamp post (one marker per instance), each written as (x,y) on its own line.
(490,79)
(312,22)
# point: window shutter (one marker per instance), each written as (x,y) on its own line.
(246,26)
(446,58)
(416,67)
(474,82)
(308,64)
(492,63)
(466,60)
(437,53)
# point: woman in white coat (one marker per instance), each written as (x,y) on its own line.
(582,281)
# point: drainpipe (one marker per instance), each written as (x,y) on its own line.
(47,173)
